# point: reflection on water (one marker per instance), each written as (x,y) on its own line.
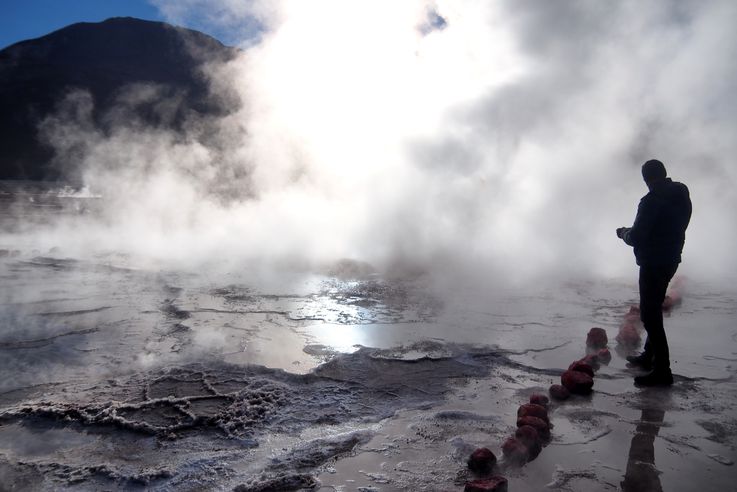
(642,474)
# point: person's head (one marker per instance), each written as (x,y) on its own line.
(653,171)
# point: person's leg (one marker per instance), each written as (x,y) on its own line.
(648,349)
(652,295)
(653,285)
(644,359)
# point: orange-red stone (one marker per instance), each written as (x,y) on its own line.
(539,399)
(482,460)
(491,484)
(596,338)
(559,392)
(533,410)
(514,451)
(582,366)
(577,382)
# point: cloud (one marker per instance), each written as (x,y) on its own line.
(232,21)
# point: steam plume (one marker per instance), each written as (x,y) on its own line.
(483,135)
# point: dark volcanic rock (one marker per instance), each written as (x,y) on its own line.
(281,483)
(102,58)
(491,484)
(577,382)
(559,392)
(482,460)
(596,338)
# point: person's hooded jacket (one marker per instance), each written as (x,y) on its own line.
(659,230)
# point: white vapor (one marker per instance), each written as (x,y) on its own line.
(480,136)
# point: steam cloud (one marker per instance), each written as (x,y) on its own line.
(478,136)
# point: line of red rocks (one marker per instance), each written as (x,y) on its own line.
(533,423)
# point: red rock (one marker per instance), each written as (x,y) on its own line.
(559,392)
(596,338)
(581,366)
(542,427)
(577,382)
(482,460)
(633,324)
(533,410)
(604,356)
(491,484)
(514,451)
(628,335)
(674,297)
(529,436)
(672,300)
(632,316)
(677,286)
(593,361)
(539,399)
(668,303)
(536,422)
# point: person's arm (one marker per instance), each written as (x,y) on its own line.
(621,231)
(647,213)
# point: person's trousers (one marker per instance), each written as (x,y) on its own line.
(653,285)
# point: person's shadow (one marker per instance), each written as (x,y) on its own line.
(641,474)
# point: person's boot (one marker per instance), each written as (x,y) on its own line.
(644,361)
(658,377)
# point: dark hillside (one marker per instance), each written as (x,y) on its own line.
(101,58)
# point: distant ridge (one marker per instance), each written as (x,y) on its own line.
(101,57)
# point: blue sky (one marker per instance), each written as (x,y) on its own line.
(26,19)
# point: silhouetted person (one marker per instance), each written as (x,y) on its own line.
(657,237)
(641,474)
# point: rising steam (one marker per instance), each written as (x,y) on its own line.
(476,135)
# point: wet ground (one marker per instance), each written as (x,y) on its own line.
(117,375)
(122,377)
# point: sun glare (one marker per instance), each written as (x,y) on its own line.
(351,82)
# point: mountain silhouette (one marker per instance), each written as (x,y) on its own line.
(103,59)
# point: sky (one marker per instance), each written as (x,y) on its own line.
(488,136)
(27,19)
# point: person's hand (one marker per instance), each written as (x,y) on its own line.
(621,231)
